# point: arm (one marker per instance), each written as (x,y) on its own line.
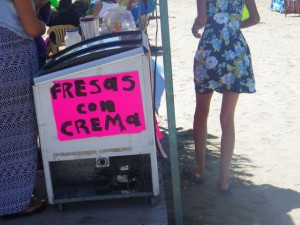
(200,20)
(32,25)
(253,18)
(97,8)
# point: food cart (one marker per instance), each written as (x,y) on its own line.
(94,108)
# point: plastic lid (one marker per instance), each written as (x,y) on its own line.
(88,18)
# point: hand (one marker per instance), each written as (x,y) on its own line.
(195,32)
(199,23)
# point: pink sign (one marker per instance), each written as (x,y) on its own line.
(98,106)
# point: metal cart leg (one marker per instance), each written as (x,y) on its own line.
(152,201)
(61,207)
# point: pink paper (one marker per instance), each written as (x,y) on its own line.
(98,106)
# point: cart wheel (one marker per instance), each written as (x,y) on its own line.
(61,207)
(152,201)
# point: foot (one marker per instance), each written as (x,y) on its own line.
(227,191)
(36,206)
(225,187)
(193,175)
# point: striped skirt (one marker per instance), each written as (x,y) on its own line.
(18,125)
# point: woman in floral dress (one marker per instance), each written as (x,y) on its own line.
(222,63)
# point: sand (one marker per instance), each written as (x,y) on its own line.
(265,169)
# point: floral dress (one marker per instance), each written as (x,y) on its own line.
(223,61)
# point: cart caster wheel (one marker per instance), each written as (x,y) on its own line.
(152,201)
(61,207)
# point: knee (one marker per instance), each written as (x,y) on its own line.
(226,121)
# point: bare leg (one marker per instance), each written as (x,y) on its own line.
(229,102)
(200,131)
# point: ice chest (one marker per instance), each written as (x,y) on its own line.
(95,116)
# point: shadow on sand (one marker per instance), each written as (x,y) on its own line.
(202,204)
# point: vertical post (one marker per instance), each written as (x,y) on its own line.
(164,17)
(140,14)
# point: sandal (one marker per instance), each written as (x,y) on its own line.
(188,173)
(35,207)
(228,191)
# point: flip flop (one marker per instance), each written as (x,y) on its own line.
(24,214)
(229,191)
(187,172)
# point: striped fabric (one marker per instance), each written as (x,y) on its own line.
(18,126)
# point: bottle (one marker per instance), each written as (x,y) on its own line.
(72,37)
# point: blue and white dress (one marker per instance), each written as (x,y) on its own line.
(223,61)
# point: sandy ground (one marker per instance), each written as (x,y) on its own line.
(265,167)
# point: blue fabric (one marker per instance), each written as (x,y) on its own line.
(158,78)
(223,61)
(277,5)
(145,9)
(9,19)
(18,126)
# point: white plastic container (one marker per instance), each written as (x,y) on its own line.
(72,37)
(89,26)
